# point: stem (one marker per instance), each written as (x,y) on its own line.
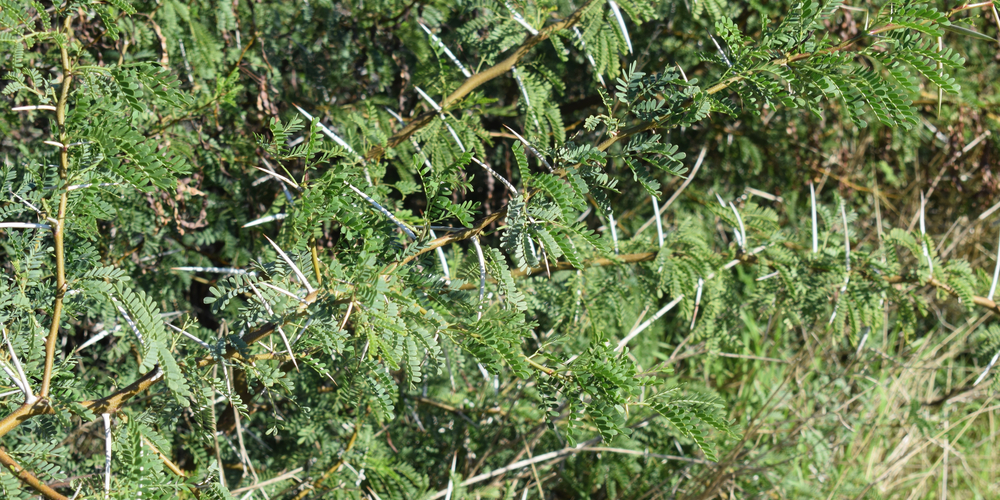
(50,342)
(315,263)
(539,367)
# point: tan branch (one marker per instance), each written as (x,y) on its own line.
(29,478)
(60,222)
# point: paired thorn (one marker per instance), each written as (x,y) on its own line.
(281,332)
(20,379)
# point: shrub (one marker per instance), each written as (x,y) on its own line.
(404,249)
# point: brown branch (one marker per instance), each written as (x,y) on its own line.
(479,79)
(114,402)
(476,228)
(29,478)
(24,412)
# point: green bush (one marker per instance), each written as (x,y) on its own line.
(408,249)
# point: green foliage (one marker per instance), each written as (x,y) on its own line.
(149,145)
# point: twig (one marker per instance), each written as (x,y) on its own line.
(288,475)
(29,478)
(337,465)
(60,221)
(520,464)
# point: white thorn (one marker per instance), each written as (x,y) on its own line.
(996,274)
(23,225)
(329,133)
(987,370)
(284,338)
(427,98)
(107,454)
(482,274)
(278,176)
(815,230)
(697,302)
(640,328)
(385,212)
(446,51)
(621,23)
(444,261)
(295,268)
(34,108)
(265,219)
(192,337)
(496,175)
(659,221)
(923,232)
(743,231)
(531,149)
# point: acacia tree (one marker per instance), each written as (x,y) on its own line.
(405,249)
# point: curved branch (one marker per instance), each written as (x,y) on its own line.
(479,79)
